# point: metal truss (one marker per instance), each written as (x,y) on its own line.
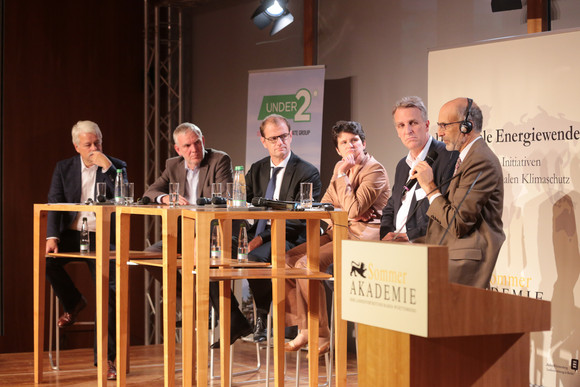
(163,112)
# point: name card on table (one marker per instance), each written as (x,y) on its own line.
(386,285)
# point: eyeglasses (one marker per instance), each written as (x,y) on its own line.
(274,139)
(443,125)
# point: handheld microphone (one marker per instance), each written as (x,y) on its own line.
(430,159)
(203,201)
(419,203)
(275,204)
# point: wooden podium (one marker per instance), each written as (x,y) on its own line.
(474,337)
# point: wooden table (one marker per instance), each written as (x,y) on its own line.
(170,261)
(196,252)
(101,257)
(169,225)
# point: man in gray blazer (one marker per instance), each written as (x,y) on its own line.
(467,218)
(195,169)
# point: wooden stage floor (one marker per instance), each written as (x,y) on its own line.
(16,369)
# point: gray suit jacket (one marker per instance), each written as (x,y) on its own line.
(475,235)
(216,167)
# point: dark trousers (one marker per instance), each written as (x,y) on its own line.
(68,293)
(261,289)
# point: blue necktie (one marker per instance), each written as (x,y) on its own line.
(269,195)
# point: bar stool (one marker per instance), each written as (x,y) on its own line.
(258,357)
(327,356)
(54,312)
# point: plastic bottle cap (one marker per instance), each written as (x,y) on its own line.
(239,168)
(84,219)
(119,171)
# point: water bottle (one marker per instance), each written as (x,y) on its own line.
(119,199)
(85,236)
(215,243)
(239,197)
(243,244)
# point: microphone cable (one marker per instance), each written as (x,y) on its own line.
(458,207)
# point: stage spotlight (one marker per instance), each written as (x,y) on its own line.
(272,11)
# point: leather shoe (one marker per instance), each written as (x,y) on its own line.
(260,331)
(235,336)
(67,319)
(111,370)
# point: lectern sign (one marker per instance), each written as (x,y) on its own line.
(385,285)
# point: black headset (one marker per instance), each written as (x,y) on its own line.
(467,126)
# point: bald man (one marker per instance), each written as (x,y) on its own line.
(467,218)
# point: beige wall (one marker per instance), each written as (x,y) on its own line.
(382,45)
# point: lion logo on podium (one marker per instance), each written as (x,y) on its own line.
(358,268)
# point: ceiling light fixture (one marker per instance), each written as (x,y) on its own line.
(272,11)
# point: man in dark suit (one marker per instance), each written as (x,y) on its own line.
(195,169)
(289,171)
(74,181)
(467,218)
(404,217)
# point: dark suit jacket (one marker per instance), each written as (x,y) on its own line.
(417,224)
(216,167)
(66,187)
(475,234)
(297,171)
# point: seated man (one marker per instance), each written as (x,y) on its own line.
(74,181)
(405,217)
(280,173)
(195,169)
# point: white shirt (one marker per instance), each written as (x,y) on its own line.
(190,192)
(88,181)
(403,213)
(279,176)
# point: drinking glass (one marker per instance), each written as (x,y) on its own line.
(230,194)
(306,195)
(216,190)
(101,192)
(128,193)
(173,194)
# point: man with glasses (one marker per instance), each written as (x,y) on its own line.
(467,218)
(404,217)
(283,171)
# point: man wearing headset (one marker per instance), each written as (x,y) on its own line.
(467,218)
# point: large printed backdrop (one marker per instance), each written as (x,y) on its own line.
(297,94)
(529,91)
